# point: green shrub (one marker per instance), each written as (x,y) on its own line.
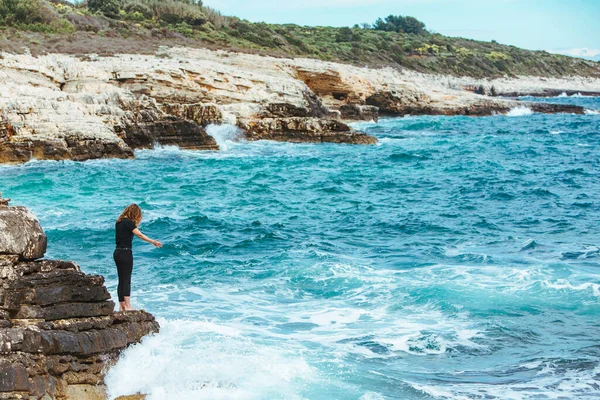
(344,34)
(15,12)
(170,11)
(139,7)
(110,8)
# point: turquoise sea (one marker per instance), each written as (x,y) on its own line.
(457,259)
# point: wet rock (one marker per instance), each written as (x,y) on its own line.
(13,377)
(398,102)
(21,233)
(64,310)
(301,130)
(549,108)
(170,132)
(358,112)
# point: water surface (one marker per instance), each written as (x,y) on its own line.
(458,258)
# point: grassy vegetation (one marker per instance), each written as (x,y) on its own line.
(393,41)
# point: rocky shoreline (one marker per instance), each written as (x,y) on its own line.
(60,107)
(58,330)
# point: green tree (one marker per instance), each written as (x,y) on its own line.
(398,23)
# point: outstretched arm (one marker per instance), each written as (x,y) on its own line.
(145,238)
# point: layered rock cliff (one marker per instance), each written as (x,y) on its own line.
(58,331)
(66,107)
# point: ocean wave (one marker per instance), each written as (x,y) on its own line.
(555,379)
(519,111)
(205,360)
(575,95)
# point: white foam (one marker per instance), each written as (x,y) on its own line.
(519,111)
(225,135)
(592,112)
(549,383)
(563,284)
(336,316)
(204,360)
(372,396)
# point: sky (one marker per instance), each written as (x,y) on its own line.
(565,26)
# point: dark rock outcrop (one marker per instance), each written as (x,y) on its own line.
(170,131)
(17,149)
(358,112)
(58,330)
(549,108)
(535,92)
(399,103)
(20,151)
(299,130)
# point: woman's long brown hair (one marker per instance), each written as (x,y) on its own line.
(132,212)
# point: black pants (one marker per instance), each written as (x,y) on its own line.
(124,261)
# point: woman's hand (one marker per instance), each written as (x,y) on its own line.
(145,238)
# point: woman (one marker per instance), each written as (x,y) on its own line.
(126,226)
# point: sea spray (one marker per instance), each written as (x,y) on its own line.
(204,360)
(519,111)
(225,135)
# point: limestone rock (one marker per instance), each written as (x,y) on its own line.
(87,392)
(21,233)
(137,396)
(63,107)
(202,114)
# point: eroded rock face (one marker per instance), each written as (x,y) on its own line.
(21,233)
(300,130)
(169,132)
(62,107)
(58,329)
(358,112)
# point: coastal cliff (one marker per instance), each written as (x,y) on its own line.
(58,330)
(66,107)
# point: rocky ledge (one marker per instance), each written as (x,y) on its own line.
(61,106)
(58,330)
